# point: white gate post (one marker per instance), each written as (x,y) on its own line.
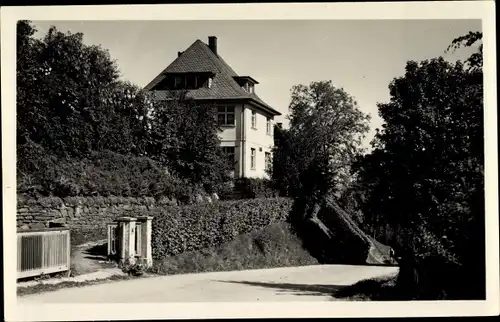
(126,235)
(146,250)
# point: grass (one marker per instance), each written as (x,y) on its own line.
(42,288)
(273,246)
(373,289)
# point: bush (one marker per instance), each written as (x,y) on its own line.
(430,270)
(178,229)
(136,269)
(100,174)
(255,188)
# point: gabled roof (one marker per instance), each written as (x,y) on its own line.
(200,58)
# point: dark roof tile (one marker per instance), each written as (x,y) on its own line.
(199,58)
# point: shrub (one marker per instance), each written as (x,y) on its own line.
(136,269)
(255,188)
(100,174)
(178,229)
(430,270)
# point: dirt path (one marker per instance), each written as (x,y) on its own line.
(89,258)
(310,283)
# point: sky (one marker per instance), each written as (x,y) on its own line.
(361,56)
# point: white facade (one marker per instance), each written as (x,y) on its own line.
(252,140)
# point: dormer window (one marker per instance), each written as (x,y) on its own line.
(246,82)
(191,82)
(187,81)
(178,82)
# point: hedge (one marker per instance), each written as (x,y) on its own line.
(255,187)
(249,188)
(178,229)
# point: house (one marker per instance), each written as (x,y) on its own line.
(246,121)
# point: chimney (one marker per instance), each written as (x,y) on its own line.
(212,44)
(179,53)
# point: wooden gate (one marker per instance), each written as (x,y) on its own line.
(43,251)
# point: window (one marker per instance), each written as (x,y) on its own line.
(252,159)
(229,152)
(268,161)
(191,82)
(254,120)
(225,115)
(248,87)
(178,82)
(268,127)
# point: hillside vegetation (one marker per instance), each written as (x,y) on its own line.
(273,246)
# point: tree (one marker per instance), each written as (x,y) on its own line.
(184,137)
(475,61)
(284,171)
(27,70)
(311,163)
(61,88)
(125,124)
(425,174)
(326,129)
(72,104)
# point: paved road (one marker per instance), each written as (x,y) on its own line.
(309,283)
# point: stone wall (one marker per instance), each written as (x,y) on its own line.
(87,217)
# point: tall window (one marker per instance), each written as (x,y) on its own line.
(225,115)
(254,120)
(268,161)
(252,159)
(268,126)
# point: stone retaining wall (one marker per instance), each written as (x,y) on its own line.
(86,216)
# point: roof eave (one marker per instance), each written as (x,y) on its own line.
(266,107)
(254,101)
(253,80)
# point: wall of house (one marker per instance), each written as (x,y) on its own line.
(258,139)
(254,138)
(232,133)
(232,136)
